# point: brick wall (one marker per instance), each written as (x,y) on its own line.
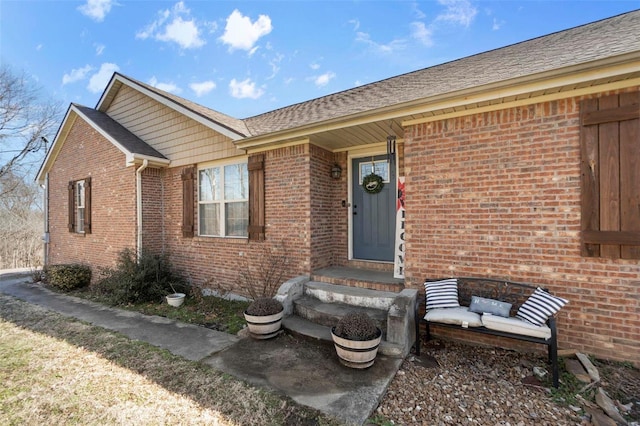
(218,261)
(87,154)
(153,205)
(328,217)
(498,194)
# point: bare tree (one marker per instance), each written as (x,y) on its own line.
(20,222)
(26,118)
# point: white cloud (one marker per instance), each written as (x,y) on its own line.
(390,47)
(419,13)
(420,32)
(324,79)
(202,88)
(175,26)
(185,33)
(241,33)
(96,9)
(76,75)
(167,87)
(314,66)
(275,65)
(245,89)
(497,24)
(458,12)
(98,81)
(99,49)
(355,23)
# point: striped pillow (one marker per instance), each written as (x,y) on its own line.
(540,306)
(442,294)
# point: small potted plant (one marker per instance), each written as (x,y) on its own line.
(356,338)
(264,317)
(175,299)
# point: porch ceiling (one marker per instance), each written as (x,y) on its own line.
(360,132)
(342,139)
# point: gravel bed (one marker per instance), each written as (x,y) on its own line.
(457,384)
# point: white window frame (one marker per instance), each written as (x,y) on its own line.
(222,202)
(80,205)
(373,164)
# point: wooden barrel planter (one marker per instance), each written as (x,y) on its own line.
(264,326)
(356,353)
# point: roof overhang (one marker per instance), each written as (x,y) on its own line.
(373,126)
(131,158)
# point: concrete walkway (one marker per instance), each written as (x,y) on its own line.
(308,372)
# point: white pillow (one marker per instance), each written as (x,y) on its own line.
(516,326)
(457,316)
(442,294)
(540,306)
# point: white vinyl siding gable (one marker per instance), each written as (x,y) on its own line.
(179,138)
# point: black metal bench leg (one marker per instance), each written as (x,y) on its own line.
(553,353)
(416,320)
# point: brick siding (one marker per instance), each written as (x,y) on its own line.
(493,194)
(218,261)
(88,154)
(497,194)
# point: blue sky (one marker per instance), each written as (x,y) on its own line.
(246,58)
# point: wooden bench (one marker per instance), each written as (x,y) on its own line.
(501,290)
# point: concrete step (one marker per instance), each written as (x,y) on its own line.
(328,314)
(305,328)
(356,296)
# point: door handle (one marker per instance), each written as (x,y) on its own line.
(354,210)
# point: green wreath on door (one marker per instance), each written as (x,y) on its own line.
(372,183)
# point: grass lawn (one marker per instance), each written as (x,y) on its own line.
(209,311)
(59,371)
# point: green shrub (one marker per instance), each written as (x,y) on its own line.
(133,280)
(68,277)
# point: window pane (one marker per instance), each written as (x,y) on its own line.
(381,168)
(209,219)
(80,193)
(209,184)
(237,219)
(236,178)
(80,219)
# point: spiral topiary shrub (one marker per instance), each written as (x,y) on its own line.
(356,326)
(68,277)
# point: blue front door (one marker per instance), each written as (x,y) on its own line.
(374,215)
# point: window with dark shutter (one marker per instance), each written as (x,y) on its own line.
(79,199)
(610,176)
(256,197)
(188,200)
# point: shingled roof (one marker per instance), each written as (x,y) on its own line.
(577,46)
(117,132)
